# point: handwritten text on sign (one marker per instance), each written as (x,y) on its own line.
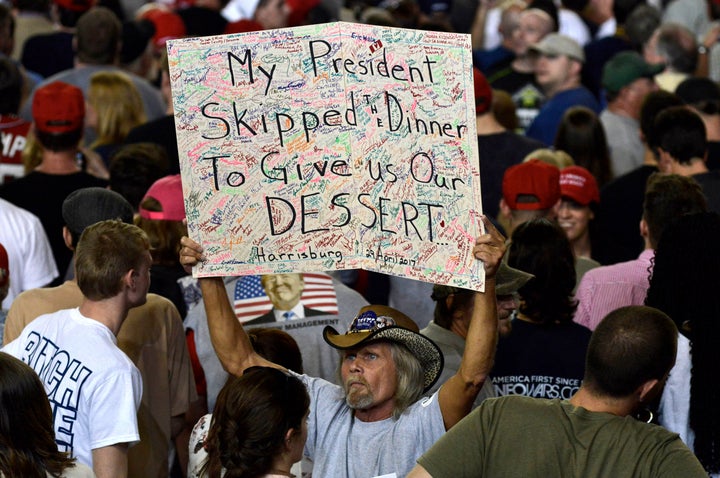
(331,146)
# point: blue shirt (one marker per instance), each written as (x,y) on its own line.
(546,123)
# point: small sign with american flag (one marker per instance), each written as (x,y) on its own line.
(250,300)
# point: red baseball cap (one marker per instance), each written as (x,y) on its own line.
(168,192)
(483,92)
(168,25)
(578,184)
(58,108)
(531,186)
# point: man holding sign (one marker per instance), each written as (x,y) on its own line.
(374,424)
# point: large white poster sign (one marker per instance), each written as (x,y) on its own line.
(335,146)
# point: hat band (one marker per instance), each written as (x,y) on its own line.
(369,322)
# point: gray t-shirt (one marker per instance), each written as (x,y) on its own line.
(623,134)
(341,446)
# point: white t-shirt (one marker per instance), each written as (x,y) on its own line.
(30,258)
(675,401)
(93,387)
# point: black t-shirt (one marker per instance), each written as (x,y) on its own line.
(710,184)
(545,361)
(524,90)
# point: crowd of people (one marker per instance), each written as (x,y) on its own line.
(591,352)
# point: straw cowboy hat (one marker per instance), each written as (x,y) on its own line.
(379,322)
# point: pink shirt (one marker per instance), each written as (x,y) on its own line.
(607,288)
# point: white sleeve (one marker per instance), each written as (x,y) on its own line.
(39,268)
(113,409)
(675,400)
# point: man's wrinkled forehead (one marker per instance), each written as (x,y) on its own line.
(369,346)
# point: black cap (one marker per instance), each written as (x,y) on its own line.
(87,206)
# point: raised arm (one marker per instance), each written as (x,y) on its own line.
(229,339)
(457,395)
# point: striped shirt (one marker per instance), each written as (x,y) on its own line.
(607,288)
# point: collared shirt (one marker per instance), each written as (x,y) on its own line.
(298,312)
(607,288)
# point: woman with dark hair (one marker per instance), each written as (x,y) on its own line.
(212,442)
(580,198)
(684,284)
(258,429)
(27,439)
(544,355)
(581,135)
(161,215)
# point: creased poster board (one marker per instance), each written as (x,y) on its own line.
(335,146)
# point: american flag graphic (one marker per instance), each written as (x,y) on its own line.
(251,301)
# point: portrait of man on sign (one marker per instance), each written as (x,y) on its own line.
(284,292)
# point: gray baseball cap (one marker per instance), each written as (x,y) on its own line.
(556,44)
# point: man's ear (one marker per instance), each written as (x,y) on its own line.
(504,208)
(575,67)
(67,237)
(129,279)
(648,390)
(665,161)
(289,437)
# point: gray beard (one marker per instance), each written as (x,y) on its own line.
(359,401)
